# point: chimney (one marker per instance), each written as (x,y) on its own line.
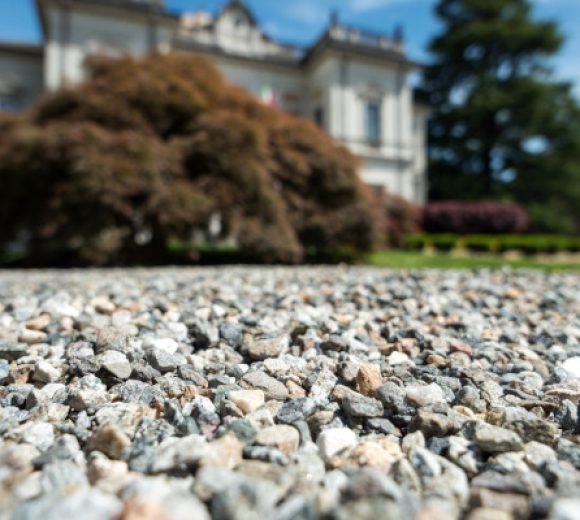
(399,37)
(334,18)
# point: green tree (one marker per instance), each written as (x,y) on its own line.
(499,120)
(550,185)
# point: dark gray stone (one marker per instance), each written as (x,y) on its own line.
(358,405)
(231,333)
(162,361)
(295,410)
(11,351)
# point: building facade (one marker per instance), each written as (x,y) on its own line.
(353,83)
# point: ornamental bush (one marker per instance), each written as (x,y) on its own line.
(400,218)
(149,150)
(474,217)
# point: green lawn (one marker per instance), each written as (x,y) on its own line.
(413,260)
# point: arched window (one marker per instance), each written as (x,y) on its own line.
(239,20)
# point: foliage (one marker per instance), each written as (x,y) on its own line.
(147,150)
(401,218)
(501,127)
(551,187)
(467,217)
(529,244)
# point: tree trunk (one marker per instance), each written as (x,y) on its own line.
(487,155)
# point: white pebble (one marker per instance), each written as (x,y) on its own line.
(45,372)
(572,367)
(40,435)
(398,358)
(335,440)
(166,344)
(421,395)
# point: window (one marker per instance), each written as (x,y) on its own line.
(239,21)
(373,123)
(319,117)
(109,48)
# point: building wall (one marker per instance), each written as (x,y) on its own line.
(74,35)
(287,85)
(21,79)
(355,84)
(394,176)
(420,122)
(395,161)
(319,80)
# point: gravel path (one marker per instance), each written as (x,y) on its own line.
(289,394)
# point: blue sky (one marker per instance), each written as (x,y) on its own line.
(300,21)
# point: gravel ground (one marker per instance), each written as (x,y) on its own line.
(289,394)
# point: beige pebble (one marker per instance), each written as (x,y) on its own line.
(40,323)
(282,437)
(369,380)
(247,400)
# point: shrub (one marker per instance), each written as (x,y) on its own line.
(553,215)
(148,149)
(478,217)
(402,218)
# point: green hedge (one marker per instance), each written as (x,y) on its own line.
(529,244)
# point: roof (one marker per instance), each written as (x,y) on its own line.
(215,50)
(276,53)
(143,7)
(239,4)
(21,48)
(361,42)
(337,37)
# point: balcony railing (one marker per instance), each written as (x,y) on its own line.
(365,38)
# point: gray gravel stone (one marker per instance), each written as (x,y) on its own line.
(295,410)
(432,424)
(358,405)
(263,348)
(4,371)
(289,393)
(567,415)
(272,388)
(46,373)
(162,361)
(40,435)
(492,439)
(231,333)
(392,396)
(116,364)
(12,351)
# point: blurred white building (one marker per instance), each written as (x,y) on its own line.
(353,83)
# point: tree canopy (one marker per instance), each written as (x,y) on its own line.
(147,150)
(501,127)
